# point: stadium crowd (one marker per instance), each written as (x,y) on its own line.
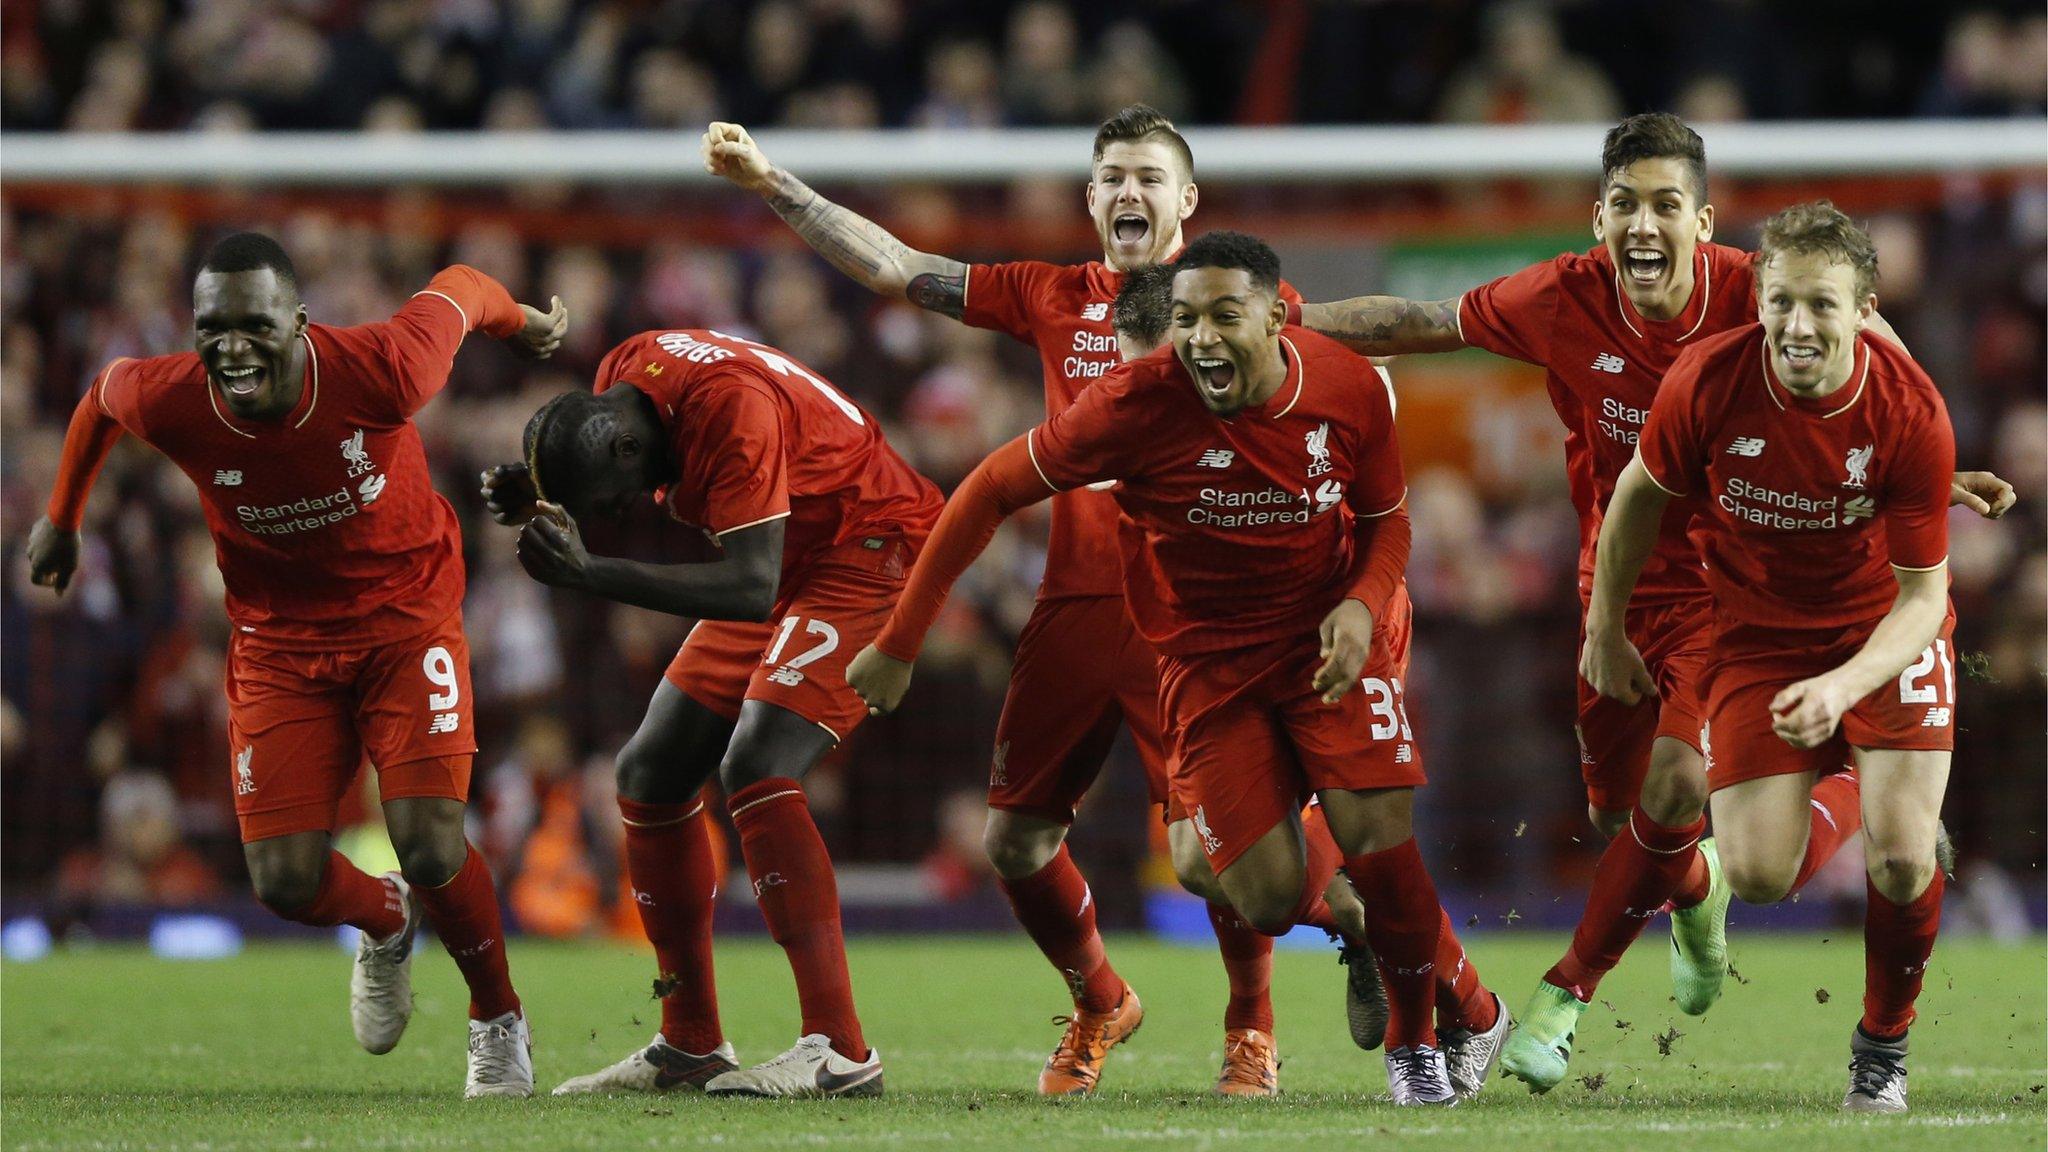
(117,786)
(398,65)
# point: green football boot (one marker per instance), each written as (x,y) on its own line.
(1540,1046)
(1699,941)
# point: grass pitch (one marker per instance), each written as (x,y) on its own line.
(112,1049)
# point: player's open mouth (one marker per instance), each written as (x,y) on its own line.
(1800,357)
(243,381)
(1215,376)
(1645,265)
(1129,228)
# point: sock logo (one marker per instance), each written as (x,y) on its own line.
(642,898)
(767,881)
(464,953)
(1087,898)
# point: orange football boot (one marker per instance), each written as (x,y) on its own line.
(1251,1064)
(1075,1066)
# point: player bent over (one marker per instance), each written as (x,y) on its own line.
(1262,477)
(1817,453)
(344,583)
(817,520)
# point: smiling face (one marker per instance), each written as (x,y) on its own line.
(1811,315)
(1226,332)
(246,328)
(1138,195)
(1652,222)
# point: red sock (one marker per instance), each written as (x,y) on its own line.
(1403,922)
(1897,939)
(1836,814)
(1638,872)
(464,913)
(349,895)
(1461,1000)
(1058,912)
(1248,962)
(674,874)
(799,897)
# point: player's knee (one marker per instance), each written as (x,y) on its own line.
(1675,799)
(1606,821)
(739,770)
(1015,853)
(430,861)
(286,887)
(1759,882)
(1900,877)
(1268,909)
(641,775)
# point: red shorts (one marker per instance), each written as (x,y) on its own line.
(798,661)
(1748,666)
(1252,741)
(1615,738)
(300,723)
(1081,669)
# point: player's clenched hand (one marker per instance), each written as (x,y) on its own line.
(1347,640)
(729,152)
(1805,714)
(1983,493)
(52,555)
(544,331)
(509,494)
(1611,664)
(879,679)
(551,549)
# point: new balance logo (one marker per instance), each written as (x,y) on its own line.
(1936,718)
(1216,458)
(444,723)
(1858,508)
(1609,362)
(1404,755)
(227,479)
(786,676)
(1095,312)
(1747,446)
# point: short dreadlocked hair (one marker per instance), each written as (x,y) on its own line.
(1144,305)
(565,442)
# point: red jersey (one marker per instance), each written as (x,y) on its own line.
(326,525)
(1241,529)
(1063,310)
(758,437)
(1603,362)
(1807,502)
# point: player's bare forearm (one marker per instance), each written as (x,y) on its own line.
(720,590)
(1905,632)
(1387,325)
(866,251)
(1628,533)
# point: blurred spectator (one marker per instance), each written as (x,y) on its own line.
(1524,75)
(139,858)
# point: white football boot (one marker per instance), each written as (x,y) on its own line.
(659,1067)
(809,1070)
(500,1058)
(380,987)
(1418,1077)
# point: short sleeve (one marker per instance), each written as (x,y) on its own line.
(1006,297)
(117,392)
(1101,435)
(1917,491)
(734,453)
(1378,484)
(1672,447)
(1513,316)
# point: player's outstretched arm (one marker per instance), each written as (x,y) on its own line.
(53,541)
(850,242)
(1806,713)
(997,489)
(1387,325)
(1609,662)
(740,586)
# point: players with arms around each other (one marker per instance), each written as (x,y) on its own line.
(344,585)
(1261,476)
(1819,459)
(1606,324)
(817,520)
(1081,668)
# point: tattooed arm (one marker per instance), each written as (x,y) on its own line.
(1387,325)
(850,242)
